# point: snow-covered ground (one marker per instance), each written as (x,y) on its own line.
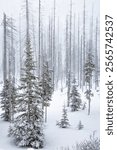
(56,137)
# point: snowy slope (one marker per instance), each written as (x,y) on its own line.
(56,137)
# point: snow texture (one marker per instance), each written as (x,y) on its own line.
(55,137)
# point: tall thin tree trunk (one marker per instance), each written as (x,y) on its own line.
(70,48)
(58,60)
(78,54)
(84,40)
(89,101)
(96,57)
(81,65)
(27,21)
(91,40)
(54,46)
(74,48)
(27,47)
(49,42)
(46,114)
(42,51)
(10,80)
(34,41)
(67,51)
(12,52)
(20,45)
(5,51)
(39,38)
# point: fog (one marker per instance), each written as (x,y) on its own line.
(15,8)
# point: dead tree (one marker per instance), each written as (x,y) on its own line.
(84,42)
(54,43)
(67,50)
(5,50)
(39,41)
(70,49)
(78,47)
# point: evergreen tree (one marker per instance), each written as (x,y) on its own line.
(75,98)
(12,99)
(89,68)
(47,88)
(5,104)
(47,85)
(80,126)
(8,101)
(68,89)
(27,129)
(64,122)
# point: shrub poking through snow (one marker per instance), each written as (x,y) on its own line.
(80,126)
(91,144)
(64,122)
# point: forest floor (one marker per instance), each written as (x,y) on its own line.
(55,137)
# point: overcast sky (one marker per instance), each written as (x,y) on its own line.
(13,7)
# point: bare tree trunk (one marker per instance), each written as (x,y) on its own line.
(54,46)
(49,43)
(12,53)
(70,48)
(20,46)
(96,58)
(39,38)
(74,49)
(91,40)
(34,42)
(70,37)
(5,51)
(81,65)
(67,51)
(10,80)
(78,55)
(27,21)
(45,114)
(84,40)
(27,46)
(89,101)
(42,51)
(58,60)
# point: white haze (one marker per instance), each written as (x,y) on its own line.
(15,7)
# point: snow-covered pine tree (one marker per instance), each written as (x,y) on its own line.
(27,129)
(88,69)
(8,101)
(13,100)
(5,104)
(80,125)
(68,89)
(64,122)
(75,98)
(47,87)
